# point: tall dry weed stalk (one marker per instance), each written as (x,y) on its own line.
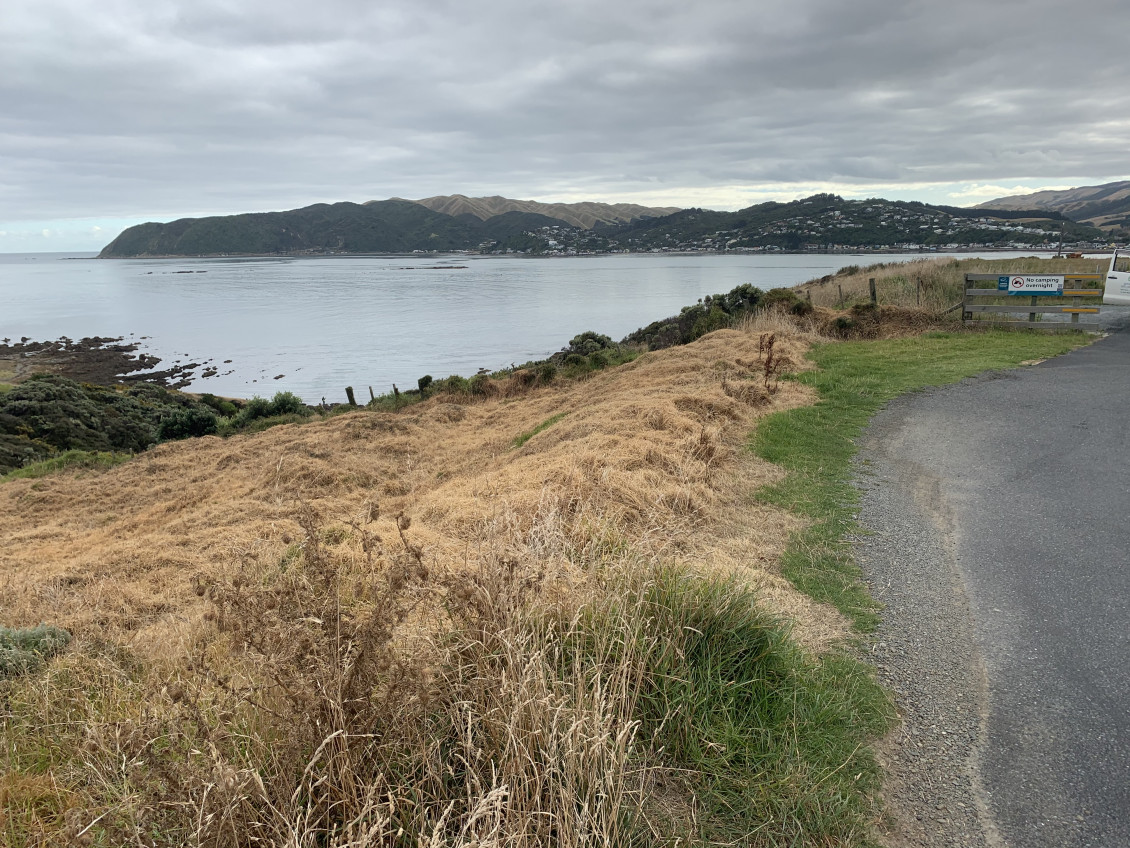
(327,725)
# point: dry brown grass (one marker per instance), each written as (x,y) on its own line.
(647,455)
(931,285)
(245,602)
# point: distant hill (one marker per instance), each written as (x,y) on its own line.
(1104,206)
(387,226)
(496,225)
(584,215)
(828,221)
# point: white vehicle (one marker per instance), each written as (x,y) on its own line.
(1117,285)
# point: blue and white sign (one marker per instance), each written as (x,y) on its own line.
(1024,284)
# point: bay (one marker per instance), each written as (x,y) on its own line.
(313,325)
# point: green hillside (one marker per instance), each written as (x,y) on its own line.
(388,226)
(820,222)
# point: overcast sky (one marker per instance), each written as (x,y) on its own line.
(121,111)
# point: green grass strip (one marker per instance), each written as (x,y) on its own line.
(92,460)
(546,424)
(816,444)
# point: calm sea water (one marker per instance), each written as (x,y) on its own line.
(320,324)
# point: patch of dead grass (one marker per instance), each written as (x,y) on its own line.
(648,456)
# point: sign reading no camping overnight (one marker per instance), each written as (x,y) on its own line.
(1023,284)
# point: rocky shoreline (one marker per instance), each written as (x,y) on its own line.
(105,361)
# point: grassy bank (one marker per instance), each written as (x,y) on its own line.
(532,619)
(816,443)
(543,612)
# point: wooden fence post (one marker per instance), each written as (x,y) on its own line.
(349,394)
(874,295)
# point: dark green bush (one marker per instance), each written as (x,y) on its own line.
(713,320)
(546,372)
(186,424)
(779,298)
(283,407)
(287,403)
(589,342)
(456,385)
(257,407)
(480,385)
(574,359)
(224,407)
(47,414)
(424,383)
(713,313)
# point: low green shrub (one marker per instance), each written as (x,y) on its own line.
(94,460)
(187,423)
(287,403)
(713,312)
(481,385)
(227,428)
(455,385)
(589,342)
(255,408)
(26,650)
(219,405)
(284,405)
(786,300)
(47,414)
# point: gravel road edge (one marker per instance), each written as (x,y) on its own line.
(924,649)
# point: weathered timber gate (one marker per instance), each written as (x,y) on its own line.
(1003,296)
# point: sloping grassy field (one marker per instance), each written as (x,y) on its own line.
(554,617)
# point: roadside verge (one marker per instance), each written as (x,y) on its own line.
(817,446)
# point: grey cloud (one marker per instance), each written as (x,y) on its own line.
(130,107)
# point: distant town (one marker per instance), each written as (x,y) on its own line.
(826,224)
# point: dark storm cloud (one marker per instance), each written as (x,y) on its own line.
(161,108)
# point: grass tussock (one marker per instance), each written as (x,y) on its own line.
(415,629)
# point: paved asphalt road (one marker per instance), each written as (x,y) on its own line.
(1030,474)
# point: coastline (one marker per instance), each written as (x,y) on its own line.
(94,359)
(852,251)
